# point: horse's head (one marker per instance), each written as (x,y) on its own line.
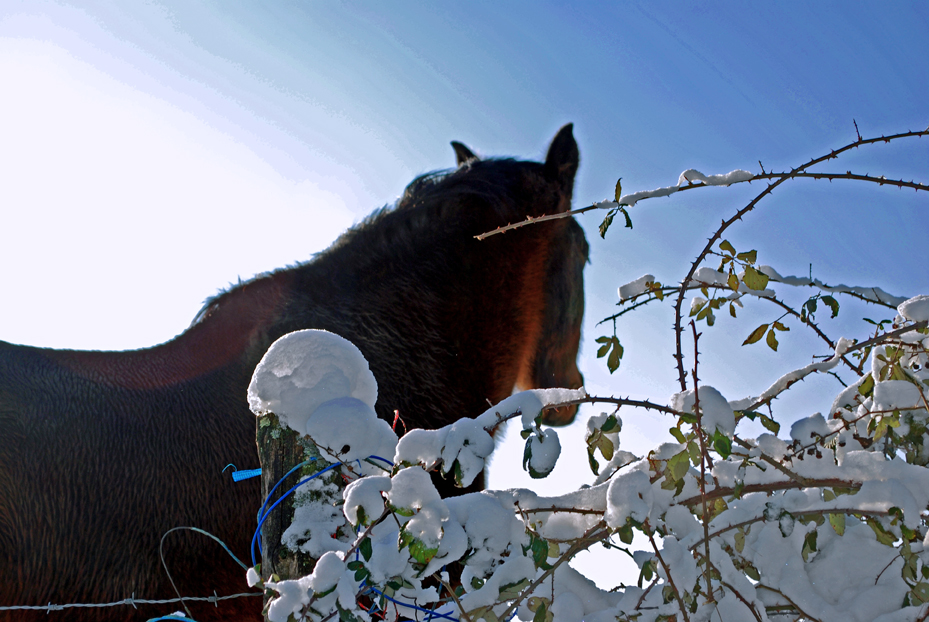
(554,358)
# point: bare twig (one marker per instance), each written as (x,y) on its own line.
(677,594)
(704,457)
(679,355)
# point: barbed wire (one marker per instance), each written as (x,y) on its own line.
(126,601)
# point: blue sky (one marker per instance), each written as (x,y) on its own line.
(153,153)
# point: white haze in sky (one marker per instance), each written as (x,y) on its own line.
(109,192)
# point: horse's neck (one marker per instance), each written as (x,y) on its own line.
(234,330)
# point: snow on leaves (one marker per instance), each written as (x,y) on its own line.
(830,523)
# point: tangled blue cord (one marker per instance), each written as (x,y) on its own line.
(265,510)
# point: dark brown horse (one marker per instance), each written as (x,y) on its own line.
(103,452)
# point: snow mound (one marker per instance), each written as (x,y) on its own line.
(303,370)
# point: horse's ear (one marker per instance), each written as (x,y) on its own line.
(563,157)
(462,153)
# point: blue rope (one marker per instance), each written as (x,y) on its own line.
(279,482)
(238,476)
(431,612)
(265,510)
(263,517)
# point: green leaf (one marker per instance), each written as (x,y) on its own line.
(402,511)
(726,246)
(607,344)
(733,282)
(921,591)
(422,553)
(607,221)
(732,309)
(828,495)
(833,304)
(610,424)
(646,573)
(866,388)
(618,193)
(694,451)
(738,488)
(883,536)
(346,615)
(612,362)
(770,424)
(365,549)
(622,210)
(772,340)
(757,334)
(754,280)
(739,538)
(678,435)
(722,444)
(512,590)
(752,573)
(838,523)
(749,256)
(539,548)
(594,465)
(809,545)
(781,327)
(625,534)
(678,465)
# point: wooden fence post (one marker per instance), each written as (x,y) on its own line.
(279,450)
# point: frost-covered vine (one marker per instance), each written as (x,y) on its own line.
(828,522)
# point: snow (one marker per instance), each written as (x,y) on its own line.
(629,496)
(543,451)
(304,369)
(733,177)
(898,395)
(293,595)
(717,414)
(468,442)
(848,575)
(686,178)
(915,309)
(315,525)
(809,429)
(710,276)
(347,429)
(636,287)
(875,294)
(782,383)
(365,494)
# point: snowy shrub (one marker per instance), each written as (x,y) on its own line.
(828,521)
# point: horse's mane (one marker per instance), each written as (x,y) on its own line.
(427,203)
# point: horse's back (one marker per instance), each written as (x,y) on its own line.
(90,478)
(102,453)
